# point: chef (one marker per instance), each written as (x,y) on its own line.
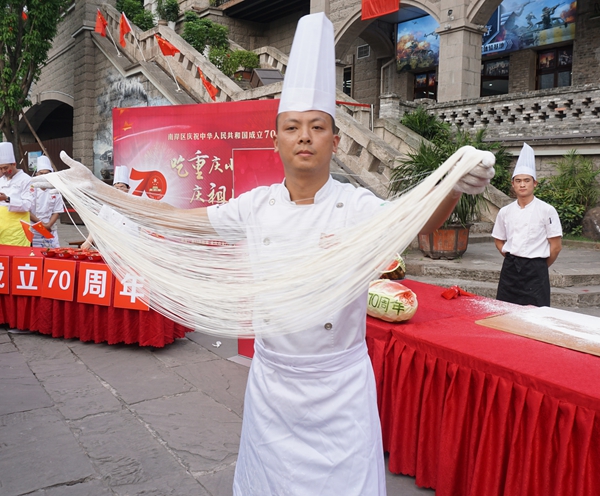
(16,198)
(311,424)
(528,235)
(47,206)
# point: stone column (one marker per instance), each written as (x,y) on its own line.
(319,6)
(459,69)
(84,94)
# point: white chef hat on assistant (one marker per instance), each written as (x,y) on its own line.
(526,162)
(7,153)
(121,175)
(309,82)
(43,163)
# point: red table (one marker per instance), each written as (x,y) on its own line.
(472,411)
(69,319)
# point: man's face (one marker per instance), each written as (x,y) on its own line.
(8,170)
(121,186)
(523,185)
(305,140)
(42,172)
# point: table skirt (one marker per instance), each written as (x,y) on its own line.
(465,430)
(67,319)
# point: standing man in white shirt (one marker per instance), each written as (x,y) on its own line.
(16,198)
(47,206)
(528,235)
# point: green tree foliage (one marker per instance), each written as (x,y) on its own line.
(135,12)
(572,192)
(441,143)
(201,33)
(24,45)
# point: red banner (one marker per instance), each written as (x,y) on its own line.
(4,275)
(26,277)
(192,155)
(94,284)
(59,279)
(378,8)
(130,292)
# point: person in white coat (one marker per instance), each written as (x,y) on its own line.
(47,206)
(311,425)
(16,198)
(120,182)
(528,235)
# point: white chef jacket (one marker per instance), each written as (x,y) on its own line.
(18,189)
(46,203)
(311,425)
(526,230)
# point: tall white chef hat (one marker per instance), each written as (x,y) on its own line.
(526,162)
(43,163)
(7,154)
(121,175)
(309,82)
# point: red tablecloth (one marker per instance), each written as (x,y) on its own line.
(66,319)
(473,411)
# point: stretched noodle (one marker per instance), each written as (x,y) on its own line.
(221,289)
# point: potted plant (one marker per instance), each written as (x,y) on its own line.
(170,11)
(247,61)
(449,241)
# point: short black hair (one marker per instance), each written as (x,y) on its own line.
(333,126)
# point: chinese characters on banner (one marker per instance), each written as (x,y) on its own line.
(187,155)
(66,280)
(4,275)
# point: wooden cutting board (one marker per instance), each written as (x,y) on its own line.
(559,327)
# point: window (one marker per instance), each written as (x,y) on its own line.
(363,51)
(347,82)
(426,85)
(494,77)
(554,67)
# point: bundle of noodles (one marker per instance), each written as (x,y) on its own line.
(231,289)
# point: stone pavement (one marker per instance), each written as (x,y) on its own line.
(84,419)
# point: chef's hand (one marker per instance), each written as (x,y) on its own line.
(475,181)
(77,174)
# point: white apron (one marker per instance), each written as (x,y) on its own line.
(311,427)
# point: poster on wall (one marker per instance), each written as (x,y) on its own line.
(417,44)
(518,24)
(197,155)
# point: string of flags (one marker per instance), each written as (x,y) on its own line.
(166,48)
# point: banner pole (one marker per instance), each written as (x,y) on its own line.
(174,78)
(114,43)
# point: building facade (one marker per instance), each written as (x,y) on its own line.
(547,93)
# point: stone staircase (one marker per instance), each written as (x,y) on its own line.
(574,277)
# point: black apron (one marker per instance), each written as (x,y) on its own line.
(524,281)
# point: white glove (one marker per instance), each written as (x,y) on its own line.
(77,173)
(475,181)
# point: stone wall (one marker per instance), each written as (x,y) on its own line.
(112,90)
(586,47)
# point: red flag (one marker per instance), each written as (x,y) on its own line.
(166,48)
(27,229)
(124,28)
(378,8)
(39,227)
(212,91)
(101,24)
(24,15)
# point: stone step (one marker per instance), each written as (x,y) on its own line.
(488,270)
(577,296)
